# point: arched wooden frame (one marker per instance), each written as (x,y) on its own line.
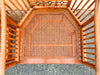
(96,19)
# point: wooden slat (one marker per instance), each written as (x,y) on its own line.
(89,43)
(11,48)
(25,4)
(88,21)
(3,38)
(12,44)
(86,9)
(10,53)
(80,23)
(21,6)
(12,29)
(97,35)
(11,64)
(89,47)
(87,15)
(10,58)
(10,21)
(12,10)
(88,28)
(77,6)
(11,39)
(12,16)
(11,34)
(89,58)
(88,33)
(26,16)
(82,8)
(89,38)
(89,64)
(74,4)
(16,7)
(89,53)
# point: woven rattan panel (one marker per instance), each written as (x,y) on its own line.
(50,35)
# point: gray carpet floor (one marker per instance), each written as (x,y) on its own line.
(50,69)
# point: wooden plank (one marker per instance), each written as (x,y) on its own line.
(12,29)
(82,52)
(86,9)
(89,43)
(16,7)
(88,33)
(88,28)
(80,23)
(9,20)
(21,6)
(89,58)
(77,6)
(3,38)
(87,15)
(25,17)
(88,21)
(89,38)
(97,35)
(25,4)
(89,64)
(19,44)
(73,5)
(89,47)
(89,53)
(11,34)
(12,16)
(82,8)
(11,53)
(10,65)
(12,10)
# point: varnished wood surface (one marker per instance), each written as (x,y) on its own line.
(61,60)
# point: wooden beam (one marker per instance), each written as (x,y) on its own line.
(10,21)
(78,6)
(97,34)
(3,38)
(73,5)
(88,21)
(86,9)
(78,20)
(25,17)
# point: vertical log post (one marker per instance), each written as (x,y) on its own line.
(97,31)
(3,38)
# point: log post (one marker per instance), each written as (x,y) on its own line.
(3,38)
(97,31)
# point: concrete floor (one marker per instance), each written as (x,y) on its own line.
(50,69)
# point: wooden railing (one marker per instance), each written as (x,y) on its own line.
(11,42)
(20,12)
(86,19)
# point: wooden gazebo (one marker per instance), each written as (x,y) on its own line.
(50,32)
